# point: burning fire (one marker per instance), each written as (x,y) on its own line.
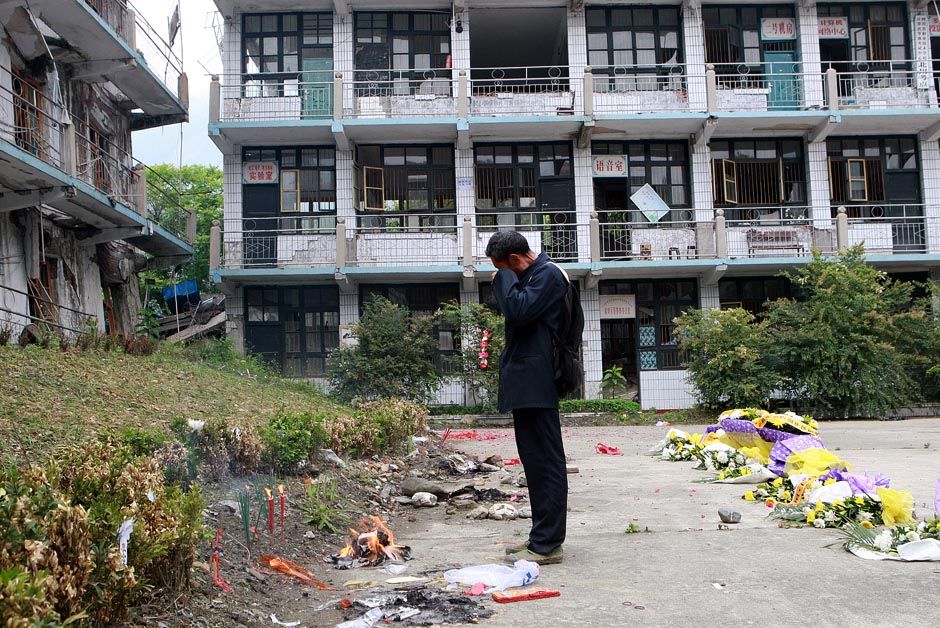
(372,544)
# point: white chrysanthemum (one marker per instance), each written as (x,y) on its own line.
(864,516)
(819,522)
(883,541)
(722,457)
(912,536)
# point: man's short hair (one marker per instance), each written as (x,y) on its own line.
(502,244)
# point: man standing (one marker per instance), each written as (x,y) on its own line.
(530,291)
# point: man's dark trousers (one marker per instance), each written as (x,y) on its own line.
(538,439)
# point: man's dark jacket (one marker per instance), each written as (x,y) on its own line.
(531,304)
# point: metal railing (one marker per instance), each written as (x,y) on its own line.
(880,84)
(140,35)
(536,90)
(435,240)
(37,124)
(640,88)
(409,93)
(257,97)
(777,86)
(887,228)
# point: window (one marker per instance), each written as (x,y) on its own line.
(759,180)
(875,177)
(405,45)
(407,179)
(733,36)
(752,293)
(262,305)
(280,42)
(625,43)
(307,178)
(423,300)
(658,303)
(28,116)
(508,176)
(663,165)
(877,32)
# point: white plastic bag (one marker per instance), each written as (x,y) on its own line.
(830,493)
(496,577)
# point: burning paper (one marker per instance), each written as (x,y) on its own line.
(370,545)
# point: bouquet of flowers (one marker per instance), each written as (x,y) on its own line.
(773,492)
(716,459)
(682,446)
(888,540)
(861,509)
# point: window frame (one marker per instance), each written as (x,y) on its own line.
(391,33)
(857,208)
(435,174)
(740,209)
(848,11)
(660,66)
(738,28)
(281,33)
(276,154)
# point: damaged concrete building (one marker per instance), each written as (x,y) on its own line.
(77,78)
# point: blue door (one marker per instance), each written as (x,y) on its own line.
(784,81)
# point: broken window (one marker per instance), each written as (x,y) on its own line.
(28,117)
(626,43)
(759,179)
(407,180)
(874,177)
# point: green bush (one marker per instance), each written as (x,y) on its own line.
(143,441)
(377,427)
(291,438)
(59,554)
(727,357)
(606,406)
(841,350)
(470,321)
(614,382)
(395,357)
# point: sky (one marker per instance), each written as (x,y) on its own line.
(200,59)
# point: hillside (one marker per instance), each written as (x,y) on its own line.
(49,397)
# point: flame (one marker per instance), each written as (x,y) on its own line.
(372,543)
(280,489)
(267,492)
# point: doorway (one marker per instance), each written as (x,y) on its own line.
(558,220)
(783,73)
(537,50)
(610,198)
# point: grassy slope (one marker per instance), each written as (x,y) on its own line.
(48,397)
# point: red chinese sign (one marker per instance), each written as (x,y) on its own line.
(777,28)
(259,172)
(833,28)
(610,166)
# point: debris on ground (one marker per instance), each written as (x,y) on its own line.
(729,515)
(371,545)
(412,485)
(503,512)
(607,450)
(421,607)
(570,469)
(330,456)
(495,577)
(419,500)
(293,570)
(470,435)
(524,595)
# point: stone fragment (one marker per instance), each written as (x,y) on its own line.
(572,469)
(525,512)
(419,500)
(503,512)
(228,506)
(480,512)
(488,468)
(729,515)
(410,486)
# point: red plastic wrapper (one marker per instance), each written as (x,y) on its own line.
(508,462)
(524,595)
(607,450)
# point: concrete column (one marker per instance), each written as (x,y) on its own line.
(192,225)
(343,55)
(584,199)
(591,343)
(842,229)
(215,246)
(930,183)
(470,297)
(820,208)
(466,201)
(808,33)
(693,38)
(340,243)
(215,100)
(235,318)
(460,41)
(577,56)
(702,199)
(721,235)
(595,228)
(711,89)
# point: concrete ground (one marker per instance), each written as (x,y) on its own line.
(686,571)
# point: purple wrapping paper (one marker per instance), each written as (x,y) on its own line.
(783,448)
(737,425)
(772,435)
(861,484)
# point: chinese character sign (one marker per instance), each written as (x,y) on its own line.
(778,28)
(610,166)
(259,173)
(934,26)
(833,28)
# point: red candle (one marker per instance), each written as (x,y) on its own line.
(270,510)
(280,489)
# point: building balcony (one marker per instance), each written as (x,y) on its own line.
(453,246)
(51,158)
(118,45)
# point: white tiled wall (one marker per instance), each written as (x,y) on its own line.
(817,181)
(577,55)
(343,56)
(666,390)
(591,343)
(930,167)
(808,32)
(693,36)
(584,199)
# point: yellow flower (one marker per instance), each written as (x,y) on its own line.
(868,525)
(811,516)
(695,438)
(749,496)
(819,506)
(838,502)
(859,500)
(778,482)
(785,496)
(829,481)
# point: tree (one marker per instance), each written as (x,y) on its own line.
(394,357)
(171,191)
(726,357)
(470,321)
(839,349)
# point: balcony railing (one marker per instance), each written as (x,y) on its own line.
(140,35)
(42,127)
(539,90)
(640,88)
(276,98)
(879,85)
(403,94)
(778,87)
(449,240)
